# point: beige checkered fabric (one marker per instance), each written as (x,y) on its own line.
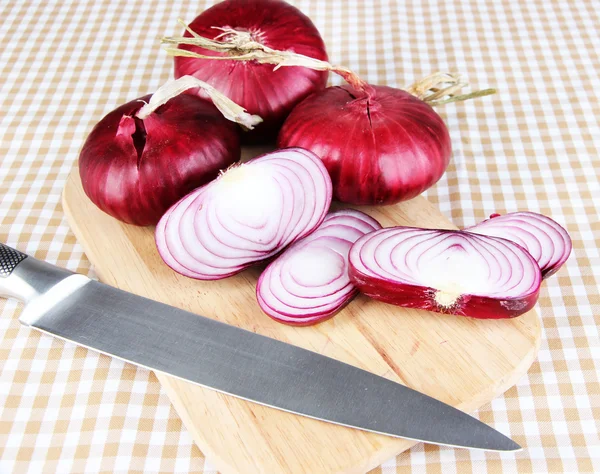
(535,145)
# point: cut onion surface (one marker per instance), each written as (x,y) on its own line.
(446,271)
(309,283)
(248,214)
(546,240)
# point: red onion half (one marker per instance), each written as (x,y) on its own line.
(446,271)
(546,240)
(270,23)
(148,153)
(248,214)
(308,283)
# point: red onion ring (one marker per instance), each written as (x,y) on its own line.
(545,239)
(446,271)
(309,283)
(248,214)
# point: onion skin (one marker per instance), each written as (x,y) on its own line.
(187,142)
(373,278)
(379,148)
(545,239)
(257,87)
(418,297)
(285,297)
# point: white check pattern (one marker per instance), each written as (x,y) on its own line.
(535,146)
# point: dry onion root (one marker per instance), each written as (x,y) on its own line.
(446,271)
(308,283)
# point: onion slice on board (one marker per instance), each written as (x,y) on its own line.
(545,239)
(309,282)
(446,271)
(248,214)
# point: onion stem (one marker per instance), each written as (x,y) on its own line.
(436,89)
(230,110)
(241,46)
(440,88)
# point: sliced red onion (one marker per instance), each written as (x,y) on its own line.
(446,271)
(545,239)
(248,214)
(309,282)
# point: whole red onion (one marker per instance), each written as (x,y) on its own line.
(379,147)
(135,168)
(272,23)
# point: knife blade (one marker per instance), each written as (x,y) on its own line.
(229,359)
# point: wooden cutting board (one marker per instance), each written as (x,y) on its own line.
(461,361)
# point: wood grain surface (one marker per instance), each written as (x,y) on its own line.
(461,361)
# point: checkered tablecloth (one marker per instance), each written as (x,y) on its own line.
(535,145)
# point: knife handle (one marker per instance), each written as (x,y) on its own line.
(9,259)
(23,277)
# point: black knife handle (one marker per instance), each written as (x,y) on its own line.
(9,259)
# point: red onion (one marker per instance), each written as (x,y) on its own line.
(380,145)
(379,148)
(248,214)
(270,23)
(546,240)
(309,282)
(446,271)
(140,159)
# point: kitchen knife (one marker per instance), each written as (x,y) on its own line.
(228,359)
